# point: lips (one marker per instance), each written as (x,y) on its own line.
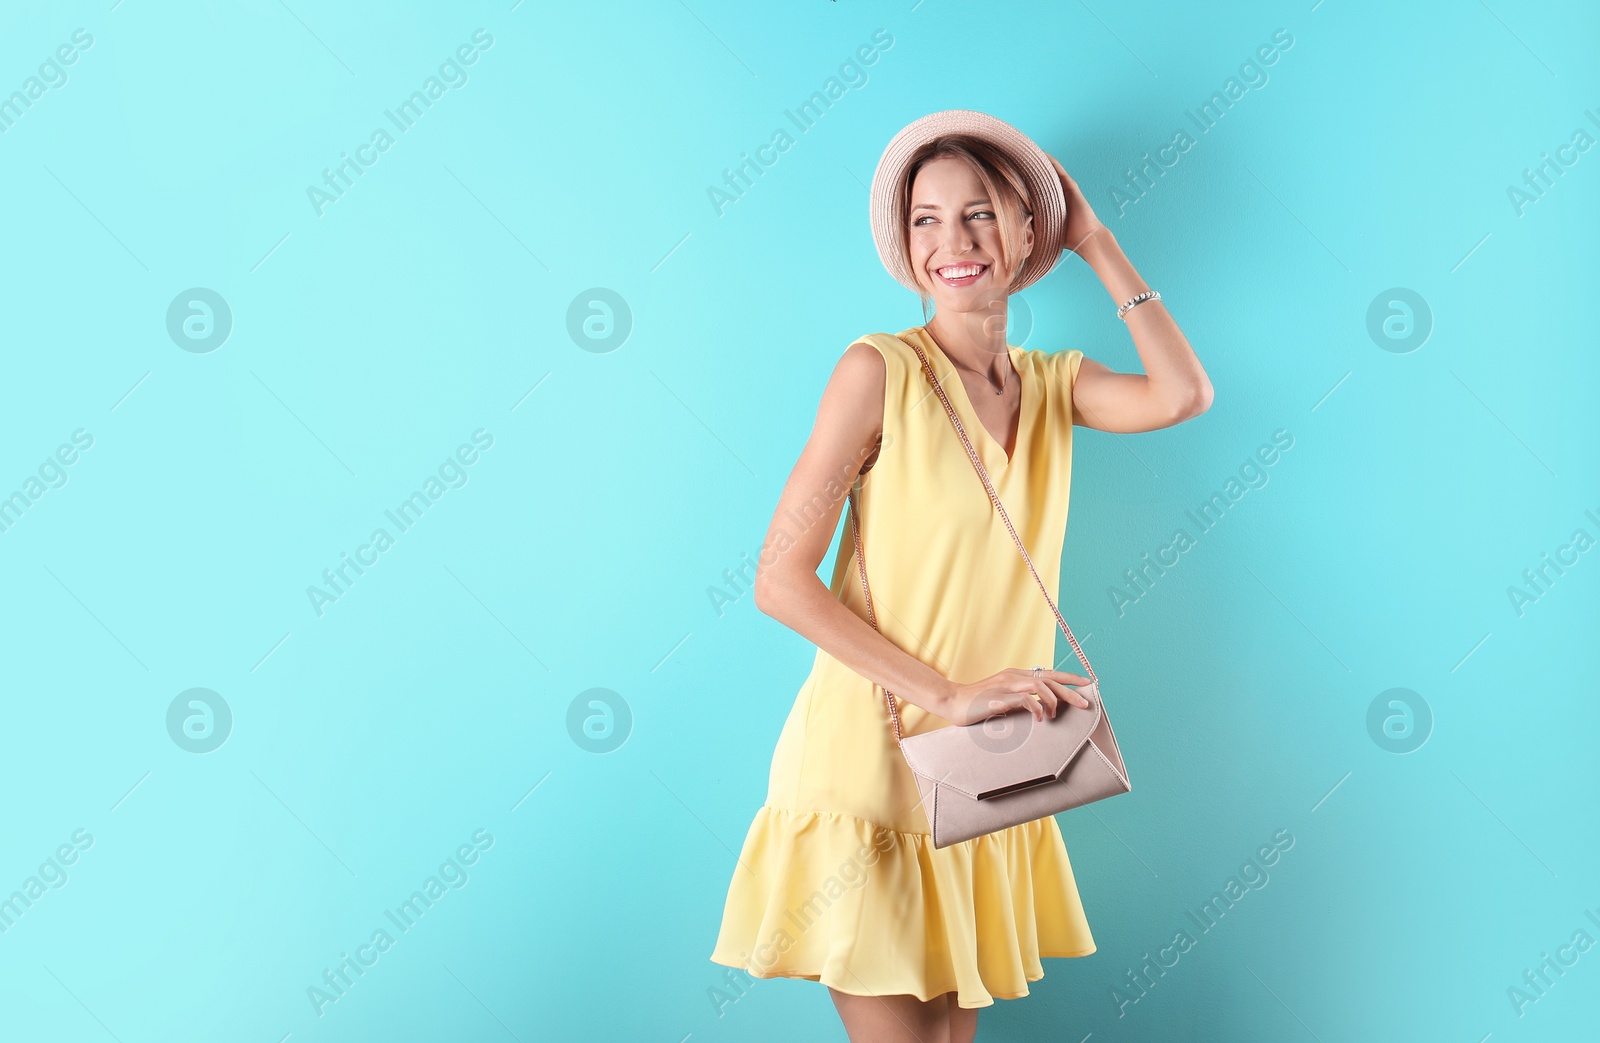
(965,274)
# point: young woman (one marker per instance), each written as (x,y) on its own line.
(838,880)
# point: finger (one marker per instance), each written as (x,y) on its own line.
(1028,698)
(1047,698)
(1055,695)
(1055,675)
(1076,698)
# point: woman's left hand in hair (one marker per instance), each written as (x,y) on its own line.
(1081,220)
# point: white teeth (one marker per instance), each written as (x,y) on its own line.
(961,271)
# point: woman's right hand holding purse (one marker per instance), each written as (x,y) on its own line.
(1011,689)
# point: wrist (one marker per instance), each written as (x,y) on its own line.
(940,695)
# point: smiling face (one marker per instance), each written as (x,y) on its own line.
(954,237)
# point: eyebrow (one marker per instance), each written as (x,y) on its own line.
(931,206)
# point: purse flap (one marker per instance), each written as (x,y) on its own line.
(1004,752)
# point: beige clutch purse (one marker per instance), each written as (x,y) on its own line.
(973,781)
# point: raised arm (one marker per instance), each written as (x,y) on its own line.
(1174,386)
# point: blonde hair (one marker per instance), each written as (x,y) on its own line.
(1001,180)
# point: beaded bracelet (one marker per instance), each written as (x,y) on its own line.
(1148,295)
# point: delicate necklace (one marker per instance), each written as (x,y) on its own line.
(999,390)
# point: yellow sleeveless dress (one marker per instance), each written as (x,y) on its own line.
(838,880)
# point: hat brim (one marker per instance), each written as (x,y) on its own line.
(1046,196)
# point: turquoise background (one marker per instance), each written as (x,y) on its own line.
(637,453)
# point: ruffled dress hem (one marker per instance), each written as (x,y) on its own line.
(870,911)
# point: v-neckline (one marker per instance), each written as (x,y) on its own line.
(970,419)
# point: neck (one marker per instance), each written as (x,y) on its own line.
(975,341)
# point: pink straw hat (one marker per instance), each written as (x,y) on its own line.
(1045,194)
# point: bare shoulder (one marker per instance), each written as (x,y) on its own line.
(863,372)
(843,443)
(853,399)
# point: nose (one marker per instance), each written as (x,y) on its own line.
(956,238)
